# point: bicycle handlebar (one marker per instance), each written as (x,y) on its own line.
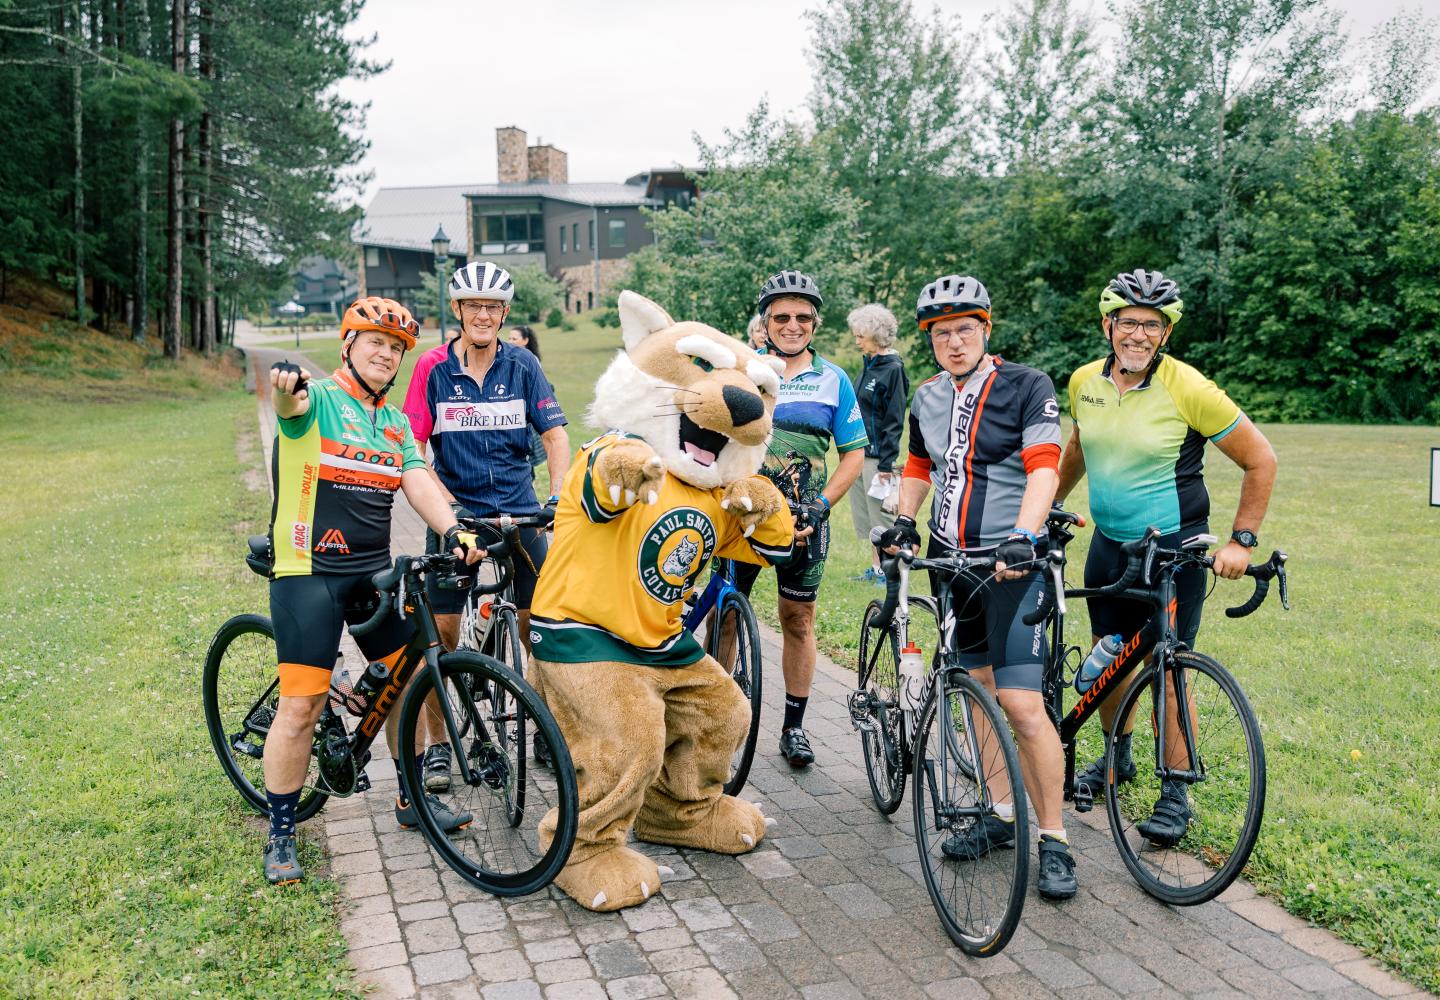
(507,527)
(1263,574)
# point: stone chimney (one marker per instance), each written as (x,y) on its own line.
(512,166)
(548,165)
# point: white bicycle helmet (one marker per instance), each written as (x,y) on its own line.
(480,279)
(952,295)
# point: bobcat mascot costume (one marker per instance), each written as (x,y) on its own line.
(651,721)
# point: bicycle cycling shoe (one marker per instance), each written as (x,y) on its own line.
(449,820)
(979,840)
(282,867)
(435,765)
(1171,817)
(795,748)
(1057,870)
(542,752)
(1093,776)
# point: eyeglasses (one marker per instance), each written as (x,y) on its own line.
(490,308)
(1152,327)
(965,333)
(804,319)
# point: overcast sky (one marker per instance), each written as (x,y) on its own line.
(620,85)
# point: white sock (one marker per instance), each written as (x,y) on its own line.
(1057,834)
(1006,811)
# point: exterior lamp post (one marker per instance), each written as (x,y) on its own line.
(440,243)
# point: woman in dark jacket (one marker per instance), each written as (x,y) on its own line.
(523,336)
(882,391)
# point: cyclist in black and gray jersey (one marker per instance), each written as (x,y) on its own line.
(986,433)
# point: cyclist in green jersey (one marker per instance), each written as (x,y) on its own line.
(340,455)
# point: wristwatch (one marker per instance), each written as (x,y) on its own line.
(1245,537)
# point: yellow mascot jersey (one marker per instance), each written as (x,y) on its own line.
(615,579)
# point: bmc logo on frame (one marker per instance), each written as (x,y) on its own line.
(332,540)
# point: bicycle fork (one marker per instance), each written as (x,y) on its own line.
(948,814)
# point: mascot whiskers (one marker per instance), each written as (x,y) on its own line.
(652,721)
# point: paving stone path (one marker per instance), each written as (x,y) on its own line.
(828,907)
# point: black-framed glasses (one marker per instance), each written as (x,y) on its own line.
(475,305)
(804,319)
(1152,327)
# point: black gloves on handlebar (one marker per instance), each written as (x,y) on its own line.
(1015,551)
(817,511)
(903,534)
(457,537)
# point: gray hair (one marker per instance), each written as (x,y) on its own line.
(756,329)
(876,322)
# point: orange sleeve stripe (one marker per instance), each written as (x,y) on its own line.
(916,467)
(1041,456)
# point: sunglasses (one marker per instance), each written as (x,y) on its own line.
(394,321)
(804,319)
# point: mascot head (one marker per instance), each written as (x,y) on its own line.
(702,400)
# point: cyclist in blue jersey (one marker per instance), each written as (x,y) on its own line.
(986,433)
(1142,420)
(815,407)
(472,404)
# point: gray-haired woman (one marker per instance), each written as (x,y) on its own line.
(882,391)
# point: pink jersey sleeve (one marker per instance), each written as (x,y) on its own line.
(417,399)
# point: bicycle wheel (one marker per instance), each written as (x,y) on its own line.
(978,898)
(733,640)
(1226,806)
(501,849)
(882,732)
(241,692)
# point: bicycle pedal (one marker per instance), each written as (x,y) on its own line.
(240,745)
(859,708)
(1083,800)
(362,783)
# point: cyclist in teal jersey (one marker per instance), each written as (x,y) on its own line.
(816,406)
(1141,422)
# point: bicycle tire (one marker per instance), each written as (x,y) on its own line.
(1004,872)
(240,682)
(1220,835)
(882,746)
(746,670)
(495,852)
(503,645)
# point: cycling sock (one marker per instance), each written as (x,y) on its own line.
(282,812)
(794,711)
(400,781)
(1055,835)
(1005,811)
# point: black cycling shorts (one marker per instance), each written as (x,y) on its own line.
(451,601)
(799,579)
(1124,616)
(309,612)
(985,623)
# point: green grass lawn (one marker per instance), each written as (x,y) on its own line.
(129,867)
(1347,843)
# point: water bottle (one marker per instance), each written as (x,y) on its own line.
(1099,661)
(370,684)
(912,678)
(484,616)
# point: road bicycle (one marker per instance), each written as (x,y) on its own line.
(948,734)
(484,704)
(732,638)
(1213,749)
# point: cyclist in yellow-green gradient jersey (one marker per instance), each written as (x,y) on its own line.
(1142,420)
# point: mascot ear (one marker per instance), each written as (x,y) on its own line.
(639,317)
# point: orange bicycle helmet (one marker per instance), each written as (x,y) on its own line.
(384,315)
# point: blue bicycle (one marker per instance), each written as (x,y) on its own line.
(732,637)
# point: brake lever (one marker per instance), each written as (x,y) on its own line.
(1279,558)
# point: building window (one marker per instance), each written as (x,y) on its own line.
(589,300)
(592,234)
(372,256)
(562,239)
(509,230)
(617,232)
(575,236)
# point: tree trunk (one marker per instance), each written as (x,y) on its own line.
(77,124)
(175,194)
(203,217)
(139,316)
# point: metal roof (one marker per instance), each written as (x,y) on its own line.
(406,217)
(599,194)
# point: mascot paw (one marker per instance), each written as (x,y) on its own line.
(733,826)
(754,500)
(611,880)
(631,471)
